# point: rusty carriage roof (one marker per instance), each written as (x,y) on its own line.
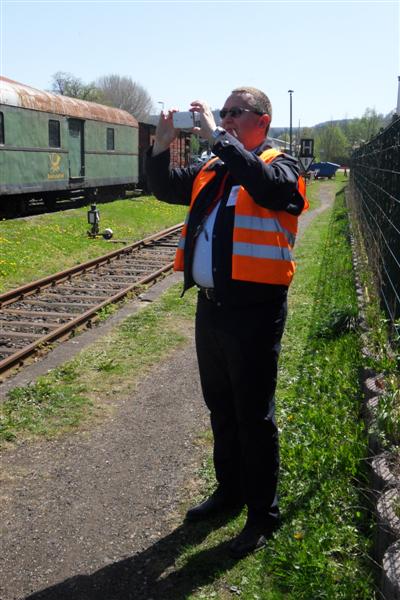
(13,93)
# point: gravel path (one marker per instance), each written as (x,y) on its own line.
(98,515)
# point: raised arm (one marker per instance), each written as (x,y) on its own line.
(169,185)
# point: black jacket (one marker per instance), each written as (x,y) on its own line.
(272,186)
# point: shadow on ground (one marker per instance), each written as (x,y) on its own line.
(151,574)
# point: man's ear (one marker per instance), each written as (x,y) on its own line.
(264,121)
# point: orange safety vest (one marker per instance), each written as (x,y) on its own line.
(263,239)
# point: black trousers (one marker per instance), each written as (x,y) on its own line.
(237,351)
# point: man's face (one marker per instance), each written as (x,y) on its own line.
(249,127)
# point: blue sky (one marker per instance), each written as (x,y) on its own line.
(339,57)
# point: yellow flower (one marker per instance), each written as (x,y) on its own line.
(298,535)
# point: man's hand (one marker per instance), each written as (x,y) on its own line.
(207,121)
(165,132)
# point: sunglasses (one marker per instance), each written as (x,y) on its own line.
(236,111)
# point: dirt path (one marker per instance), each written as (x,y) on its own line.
(98,515)
(326,198)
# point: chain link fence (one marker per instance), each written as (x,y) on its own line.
(375,193)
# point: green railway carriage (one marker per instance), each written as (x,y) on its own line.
(52,147)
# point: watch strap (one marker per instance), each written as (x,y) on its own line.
(217,132)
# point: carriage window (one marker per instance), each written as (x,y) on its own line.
(1,128)
(54,134)
(110,139)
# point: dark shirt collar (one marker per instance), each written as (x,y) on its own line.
(265,145)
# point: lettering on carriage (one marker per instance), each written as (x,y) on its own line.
(55,166)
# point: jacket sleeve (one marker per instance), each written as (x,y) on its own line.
(272,185)
(169,185)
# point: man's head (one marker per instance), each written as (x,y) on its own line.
(250,125)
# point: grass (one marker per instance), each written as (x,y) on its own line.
(82,388)
(321,552)
(314,187)
(323,439)
(382,342)
(33,247)
(46,407)
(312,192)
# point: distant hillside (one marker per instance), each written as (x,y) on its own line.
(278,131)
(339,122)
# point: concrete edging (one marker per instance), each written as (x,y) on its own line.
(390,582)
(388,523)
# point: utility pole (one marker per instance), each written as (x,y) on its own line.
(290,92)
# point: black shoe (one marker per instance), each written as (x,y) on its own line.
(252,538)
(218,503)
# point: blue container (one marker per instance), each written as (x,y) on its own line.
(324,169)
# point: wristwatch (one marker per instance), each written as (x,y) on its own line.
(217,132)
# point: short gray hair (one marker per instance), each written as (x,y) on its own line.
(259,101)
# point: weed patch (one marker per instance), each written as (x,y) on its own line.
(42,409)
(37,246)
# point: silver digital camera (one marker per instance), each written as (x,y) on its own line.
(186,120)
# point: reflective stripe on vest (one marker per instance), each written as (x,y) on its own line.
(261,251)
(263,224)
(262,238)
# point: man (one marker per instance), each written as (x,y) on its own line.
(236,247)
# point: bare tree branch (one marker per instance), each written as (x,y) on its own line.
(126,94)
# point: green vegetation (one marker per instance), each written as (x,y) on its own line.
(316,186)
(336,140)
(383,356)
(33,247)
(47,407)
(388,415)
(312,192)
(321,552)
(70,394)
(322,549)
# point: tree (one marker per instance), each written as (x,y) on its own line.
(126,94)
(307,132)
(370,123)
(331,144)
(284,136)
(194,145)
(352,130)
(67,84)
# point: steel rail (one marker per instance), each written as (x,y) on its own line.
(35,286)
(8,298)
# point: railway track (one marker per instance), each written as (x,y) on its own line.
(35,315)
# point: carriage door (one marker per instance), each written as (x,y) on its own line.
(76,150)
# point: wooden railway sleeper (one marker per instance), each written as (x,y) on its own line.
(62,293)
(39,313)
(77,305)
(5,350)
(19,334)
(101,283)
(17,323)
